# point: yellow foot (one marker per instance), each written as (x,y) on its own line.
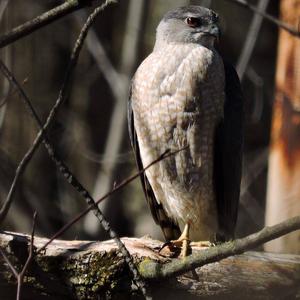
(174,246)
(182,242)
(202,244)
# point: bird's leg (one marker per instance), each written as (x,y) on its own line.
(185,244)
(183,241)
(186,241)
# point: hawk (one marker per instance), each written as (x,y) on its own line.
(184,96)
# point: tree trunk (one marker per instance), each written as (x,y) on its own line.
(95,270)
(284,163)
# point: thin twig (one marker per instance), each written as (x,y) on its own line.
(61,98)
(124,251)
(20,276)
(29,258)
(117,187)
(46,18)
(268,17)
(152,270)
(94,207)
(61,166)
(31,248)
(59,163)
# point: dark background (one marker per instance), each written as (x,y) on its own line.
(92,119)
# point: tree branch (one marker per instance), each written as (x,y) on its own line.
(46,18)
(94,270)
(153,270)
(277,22)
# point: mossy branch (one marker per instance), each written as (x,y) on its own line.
(153,270)
(89,270)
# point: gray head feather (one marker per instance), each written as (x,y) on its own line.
(177,27)
(185,11)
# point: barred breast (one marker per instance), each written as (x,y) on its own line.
(177,101)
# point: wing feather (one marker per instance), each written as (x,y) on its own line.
(228,155)
(169,228)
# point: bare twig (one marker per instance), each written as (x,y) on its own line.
(251,39)
(29,258)
(153,270)
(268,17)
(117,187)
(61,98)
(48,17)
(20,276)
(62,167)
(71,179)
(94,207)
(59,163)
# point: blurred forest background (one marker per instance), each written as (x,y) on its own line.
(90,133)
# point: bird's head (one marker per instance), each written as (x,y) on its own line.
(189,24)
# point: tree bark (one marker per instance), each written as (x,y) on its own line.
(93,270)
(284,162)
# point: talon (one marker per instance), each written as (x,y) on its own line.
(166,244)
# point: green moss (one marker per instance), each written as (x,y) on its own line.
(88,275)
(97,273)
(149,268)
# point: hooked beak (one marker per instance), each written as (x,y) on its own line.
(211,30)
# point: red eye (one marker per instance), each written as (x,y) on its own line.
(193,22)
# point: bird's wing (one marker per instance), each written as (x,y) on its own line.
(169,228)
(228,155)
